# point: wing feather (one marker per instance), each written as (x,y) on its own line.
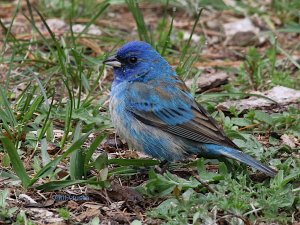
(173,109)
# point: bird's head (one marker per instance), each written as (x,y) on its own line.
(138,61)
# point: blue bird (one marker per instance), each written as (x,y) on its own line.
(153,110)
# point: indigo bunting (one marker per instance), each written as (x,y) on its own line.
(153,110)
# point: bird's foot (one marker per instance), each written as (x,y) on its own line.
(162,167)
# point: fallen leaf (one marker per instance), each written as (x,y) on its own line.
(38,213)
(209,80)
(88,214)
(72,205)
(288,140)
(285,97)
(26,198)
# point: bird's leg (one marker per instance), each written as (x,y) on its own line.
(162,167)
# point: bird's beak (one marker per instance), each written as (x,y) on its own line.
(112,61)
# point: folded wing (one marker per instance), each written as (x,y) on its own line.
(173,109)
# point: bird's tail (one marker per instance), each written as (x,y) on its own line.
(242,157)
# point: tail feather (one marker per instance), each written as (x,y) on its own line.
(218,151)
(247,159)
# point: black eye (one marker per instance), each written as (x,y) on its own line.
(132,59)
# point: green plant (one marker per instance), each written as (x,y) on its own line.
(5,212)
(64,213)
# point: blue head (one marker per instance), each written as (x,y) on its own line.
(138,61)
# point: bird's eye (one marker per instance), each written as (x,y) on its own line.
(132,60)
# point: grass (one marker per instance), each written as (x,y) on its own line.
(62,106)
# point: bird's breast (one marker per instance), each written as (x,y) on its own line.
(122,120)
(117,111)
(150,139)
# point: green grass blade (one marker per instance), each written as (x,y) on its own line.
(57,185)
(103,7)
(7,31)
(123,171)
(51,165)
(16,161)
(31,20)
(6,128)
(91,150)
(77,158)
(139,19)
(188,44)
(32,109)
(77,164)
(213,95)
(44,154)
(7,109)
(47,122)
(68,118)
(134,162)
(167,39)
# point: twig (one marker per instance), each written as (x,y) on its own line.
(205,185)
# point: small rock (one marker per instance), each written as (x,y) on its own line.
(243,39)
(56,25)
(195,37)
(94,30)
(242,25)
(241,33)
(213,24)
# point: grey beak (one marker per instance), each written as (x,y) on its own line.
(112,61)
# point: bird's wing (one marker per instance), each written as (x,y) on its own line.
(170,107)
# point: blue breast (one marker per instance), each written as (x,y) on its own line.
(142,137)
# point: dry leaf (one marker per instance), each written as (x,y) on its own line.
(285,97)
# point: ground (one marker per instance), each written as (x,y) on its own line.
(61,161)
